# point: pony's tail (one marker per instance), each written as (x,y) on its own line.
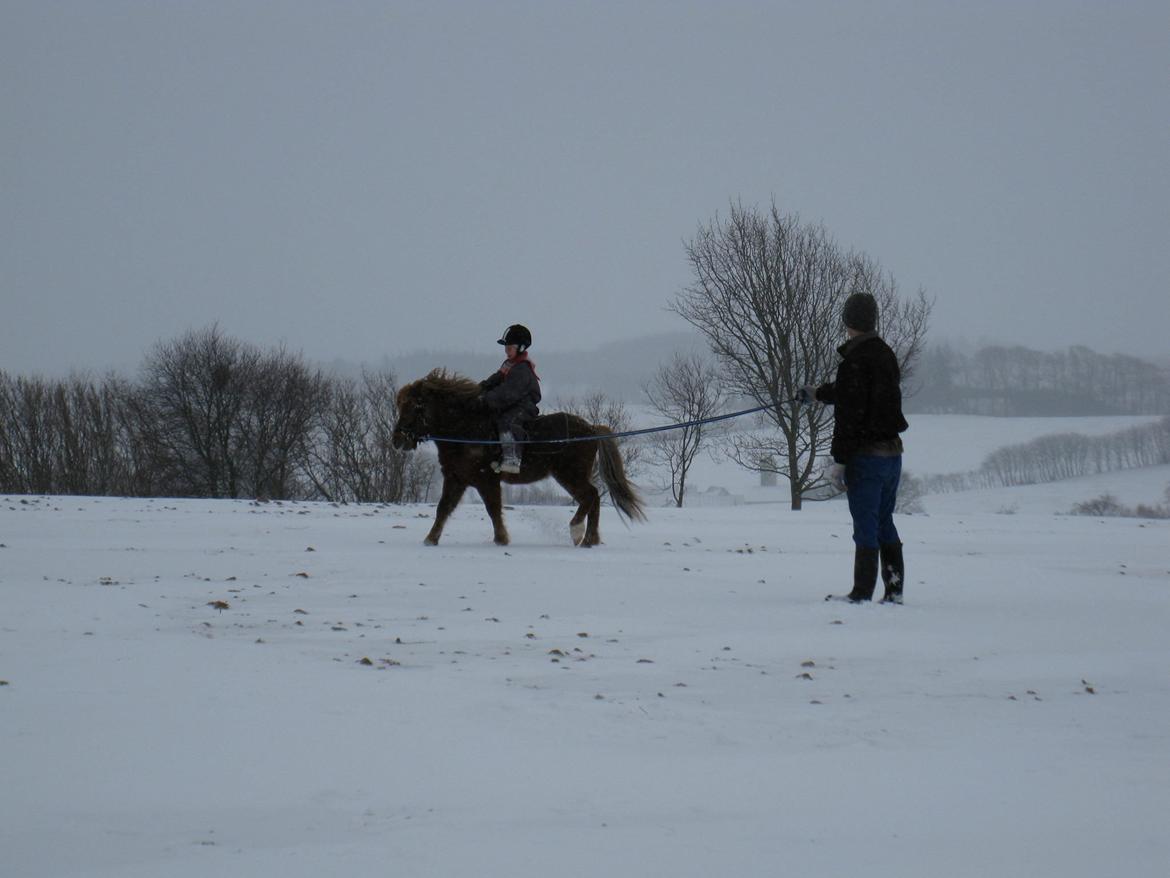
(613,473)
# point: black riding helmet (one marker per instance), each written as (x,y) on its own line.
(518,335)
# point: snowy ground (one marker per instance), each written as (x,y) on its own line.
(679,701)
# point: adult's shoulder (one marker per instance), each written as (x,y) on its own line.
(875,346)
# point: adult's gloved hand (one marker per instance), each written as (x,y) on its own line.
(807,395)
(836,476)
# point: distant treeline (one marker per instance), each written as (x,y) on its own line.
(1058,457)
(209,416)
(1017,381)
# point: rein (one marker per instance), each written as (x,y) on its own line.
(569,439)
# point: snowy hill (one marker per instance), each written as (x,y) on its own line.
(939,444)
(197,688)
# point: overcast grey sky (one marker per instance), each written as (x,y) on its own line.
(357,179)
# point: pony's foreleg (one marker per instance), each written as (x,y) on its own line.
(489,490)
(452,494)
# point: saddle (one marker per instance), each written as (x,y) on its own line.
(550,427)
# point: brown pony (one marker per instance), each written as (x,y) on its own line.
(449,406)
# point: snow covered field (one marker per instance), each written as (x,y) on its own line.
(679,701)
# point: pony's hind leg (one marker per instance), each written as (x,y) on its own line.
(583,524)
(592,533)
(577,528)
(452,494)
(577,525)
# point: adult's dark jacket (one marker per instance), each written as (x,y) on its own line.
(867,400)
(513,393)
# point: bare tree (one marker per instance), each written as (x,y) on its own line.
(685,390)
(282,400)
(10,479)
(62,436)
(767,294)
(351,457)
(194,392)
(210,417)
(27,435)
(92,454)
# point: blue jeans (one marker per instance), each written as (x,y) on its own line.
(872,488)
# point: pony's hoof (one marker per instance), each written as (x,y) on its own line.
(577,532)
(430,542)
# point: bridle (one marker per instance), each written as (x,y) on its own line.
(421,423)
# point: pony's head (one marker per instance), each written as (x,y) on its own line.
(413,422)
(419,402)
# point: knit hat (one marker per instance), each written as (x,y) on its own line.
(860,312)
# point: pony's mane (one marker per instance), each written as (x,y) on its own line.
(446,383)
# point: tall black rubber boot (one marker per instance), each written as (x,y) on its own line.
(865,574)
(893,572)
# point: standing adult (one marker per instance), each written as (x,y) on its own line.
(867,448)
